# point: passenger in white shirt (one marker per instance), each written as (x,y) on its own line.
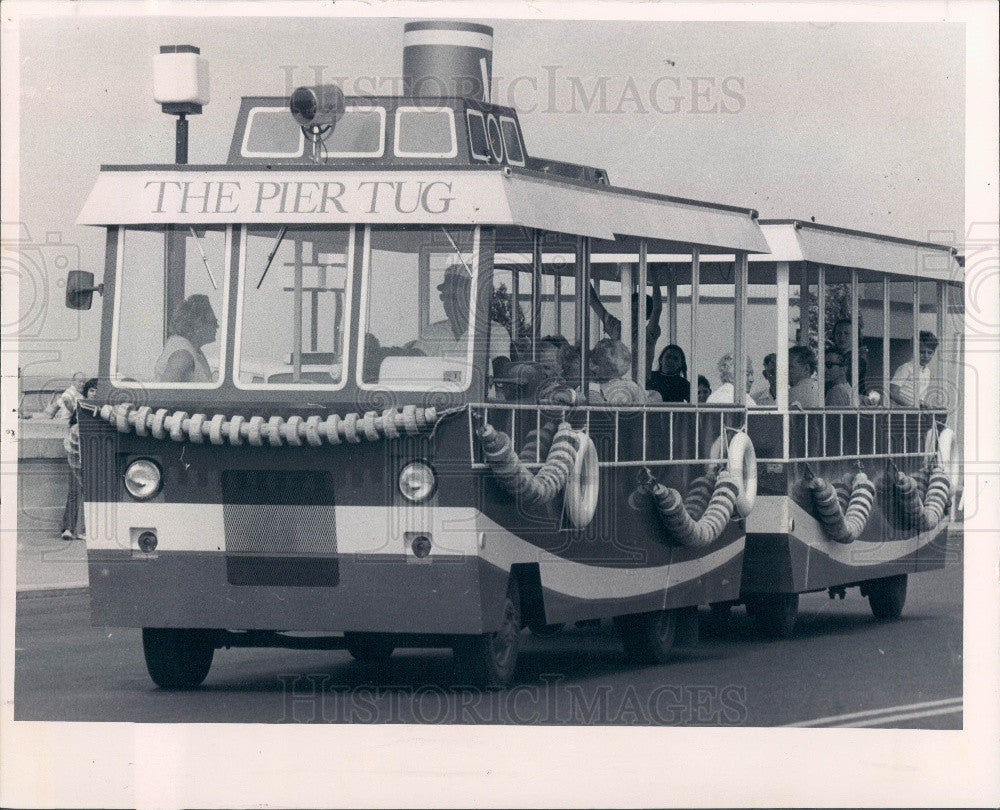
(903,383)
(725,394)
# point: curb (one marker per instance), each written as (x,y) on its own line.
(44,592)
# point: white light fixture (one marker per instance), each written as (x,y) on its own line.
(180,87)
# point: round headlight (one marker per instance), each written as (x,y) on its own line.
(143,479)
(416,481)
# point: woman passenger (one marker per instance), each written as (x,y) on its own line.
(192,325)
(669,379)
(610,367)
(704,389)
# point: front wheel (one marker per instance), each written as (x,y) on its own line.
(370,647)
(177,658)
(887,596)
(488,660)
(648,638)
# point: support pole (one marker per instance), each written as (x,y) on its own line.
(855,358)
(583,307)
(695,278)
(781,351)
(181,140)
(915,388)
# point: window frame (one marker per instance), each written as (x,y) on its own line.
(380,109)
(453,152)
(114,379)
(363,324)
(238,332)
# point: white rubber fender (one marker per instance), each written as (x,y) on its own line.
(583,485)
(743,467)
(945,452)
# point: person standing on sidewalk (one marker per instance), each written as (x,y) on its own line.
(72,522)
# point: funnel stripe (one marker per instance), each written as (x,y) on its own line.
(462,39)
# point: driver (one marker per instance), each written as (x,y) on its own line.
(449,337)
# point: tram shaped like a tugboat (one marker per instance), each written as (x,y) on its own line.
(375,442)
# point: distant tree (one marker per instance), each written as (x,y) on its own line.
(838,305)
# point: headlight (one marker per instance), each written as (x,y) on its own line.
(143,479)
(416,481)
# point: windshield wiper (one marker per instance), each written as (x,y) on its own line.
(461,258)
(270,256)
(204,258)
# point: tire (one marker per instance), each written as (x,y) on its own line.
(370,647)
(546,630)
(775,614)
(177,658)
(488,660)
(647,638)
(887,596)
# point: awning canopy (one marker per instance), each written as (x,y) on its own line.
(202,195)
(796,241)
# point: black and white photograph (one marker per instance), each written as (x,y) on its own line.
(454,404)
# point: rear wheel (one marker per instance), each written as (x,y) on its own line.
(177,658)
(489,659)
(887,596)
(648,638)
(775,614)
(720,618)
(370,647)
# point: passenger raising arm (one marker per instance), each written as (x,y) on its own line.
(654,308)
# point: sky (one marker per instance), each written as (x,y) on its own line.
(857,125)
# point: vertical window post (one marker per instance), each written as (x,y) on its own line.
(582,319)
(627,278)
(915,385)
(781,351)
(739,341)
(536,292)
(642,362)
(297,316)
(695,274)
(855,358)
(886,323)
(821,328)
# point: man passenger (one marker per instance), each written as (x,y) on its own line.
(839,393)
(908,386)
(768,394)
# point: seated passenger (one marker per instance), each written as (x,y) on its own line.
(610,367)
(669,379)
(768,394)
(192,325)
(654,308)
(725,394)
(839,392)
(803,388)
(841,338)
(704,389)
(908,386)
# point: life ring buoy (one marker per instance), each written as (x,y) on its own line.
(583,485)
(743,467)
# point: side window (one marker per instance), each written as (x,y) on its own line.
(477,135)
(426,132)
(512,141)
(272,132)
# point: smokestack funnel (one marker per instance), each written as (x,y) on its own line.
(444,58)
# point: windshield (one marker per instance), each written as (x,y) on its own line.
(168,306)
(417,307)
(294,292)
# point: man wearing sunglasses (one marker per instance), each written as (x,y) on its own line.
(839,392)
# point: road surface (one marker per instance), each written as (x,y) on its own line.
(841,668)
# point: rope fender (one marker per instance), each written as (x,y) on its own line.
(681,526)
(257,431)
(512,474)
(843,519)
(925,512)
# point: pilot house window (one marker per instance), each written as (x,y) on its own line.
(425,132)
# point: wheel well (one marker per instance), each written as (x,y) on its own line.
(529,585)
